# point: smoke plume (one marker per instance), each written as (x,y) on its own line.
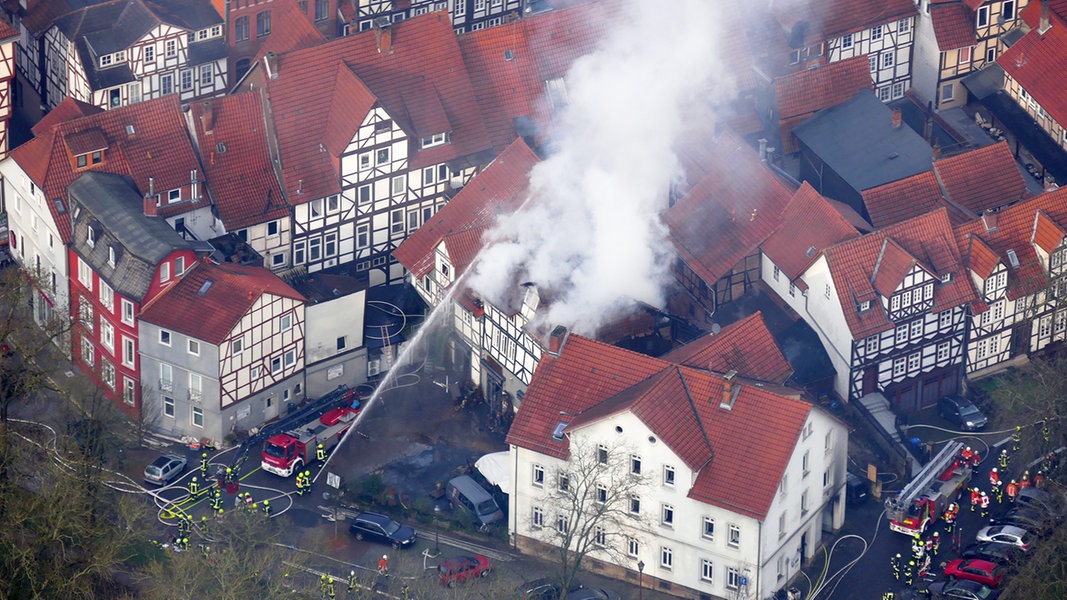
(590,235)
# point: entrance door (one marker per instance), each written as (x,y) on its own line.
(270,410)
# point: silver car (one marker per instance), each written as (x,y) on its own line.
(164,469)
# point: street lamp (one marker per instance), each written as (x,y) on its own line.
(640,579)
(436,531)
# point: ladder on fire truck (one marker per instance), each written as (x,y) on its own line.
(922,480)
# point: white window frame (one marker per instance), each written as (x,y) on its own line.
(667,515)
(537,517)
(707,571)
(708,532)
(168,406)
(129,352)
(733,538)
(165,337)
(127,312)
(666,558)
(669,475)
(197,417)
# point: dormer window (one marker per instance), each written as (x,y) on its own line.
(865,305)
(111,257)
(115,58)
(90,237)
(437,139)
(174,196)
(946,278)
(90,159)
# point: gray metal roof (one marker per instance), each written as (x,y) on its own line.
(113,207)
(858,141)
(207,51)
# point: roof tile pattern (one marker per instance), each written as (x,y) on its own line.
(927,238)
(953,26)
(499,189)
(1018,228)
(158,149)
(982,178)
(726,215)
(241,178)
(423,58)
(1034,57)
(210,313)
(803,93)
(903,199)
(809,224)
(681,406)
(981,258)
(745,346)
(834,18)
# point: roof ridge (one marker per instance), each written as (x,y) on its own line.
(696,413)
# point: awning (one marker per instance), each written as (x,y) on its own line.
(1050,154)
(494,467)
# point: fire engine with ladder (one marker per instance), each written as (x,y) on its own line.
(285,453)
(927,496)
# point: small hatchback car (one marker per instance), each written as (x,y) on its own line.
(164,469)
(459,569)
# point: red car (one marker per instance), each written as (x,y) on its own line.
(975,569)
(461,568)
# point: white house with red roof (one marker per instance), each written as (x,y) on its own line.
(147,142)
(1016,260)
(741,478)
(394,129)
(954,38)
(121,258)
(227,341)
(501,350)
(890,307)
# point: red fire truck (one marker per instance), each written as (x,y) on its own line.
(286,453)
(923,500)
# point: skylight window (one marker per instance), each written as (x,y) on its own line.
(1013,258)
(557,433)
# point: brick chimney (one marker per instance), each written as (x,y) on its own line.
(898,118)
(557,339)
(1044,25)
(383,33)
(207,118)
(150,208)
(729,389)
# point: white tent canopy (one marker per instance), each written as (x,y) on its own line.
(494,467)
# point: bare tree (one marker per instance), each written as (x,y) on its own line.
(590,503)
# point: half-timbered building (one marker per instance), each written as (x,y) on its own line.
(121,258)
(394,131)
(1028,66)
(494,343)
(1017,262)
(146,142)
(465,15)
(8,37)
(32,18)
(722,206)
(956,38)
(890,308)
(125,51)
(841,29)
(228,343)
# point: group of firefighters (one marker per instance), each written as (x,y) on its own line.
(923,550)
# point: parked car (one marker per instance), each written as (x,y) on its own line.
(164,469)
(380,528)
(962,413)
(1040,523)
(976,569)
(1006,534)
(1053,505)
(465,493)
(857,488)
(1002,554)
(961,589)
(544,589)
(462,568)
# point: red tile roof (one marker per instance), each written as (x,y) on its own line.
(159,149)
(212,314)
(541,48)
(1033,59)
(980,257)
(903,199)
(67,110)
(809,224)
(241,178)
(1039,220)
(953,26)
(892,265)
(745,346)
(681,405)
(729,212)
(981,179)
(499,189)
(423,59)
(834,18)
(927,238)
(803,93)
(298,31)
(41,13)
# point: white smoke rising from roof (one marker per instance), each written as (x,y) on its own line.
(592,236)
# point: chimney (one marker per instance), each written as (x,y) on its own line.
(898,118)
(1044,25)
(936,151)
(763,150)
(557,339)
(150,208)
(270,62)
(207,118)
(729,389)
(989,220)
(383,33)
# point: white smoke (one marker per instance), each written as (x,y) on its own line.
(591,235)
